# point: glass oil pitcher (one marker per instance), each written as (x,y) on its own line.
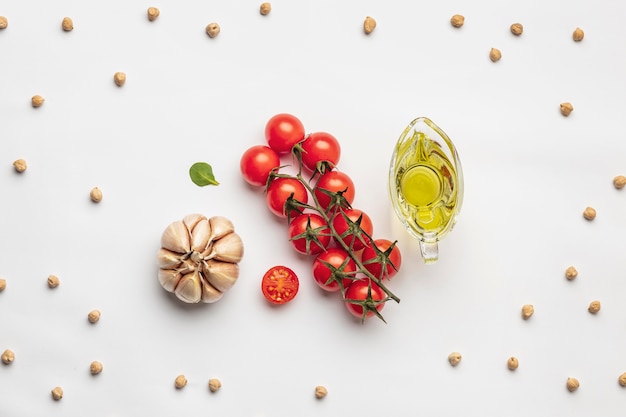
(426,184)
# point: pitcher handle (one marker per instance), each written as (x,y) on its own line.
(430,251)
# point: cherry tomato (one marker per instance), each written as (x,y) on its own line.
(309,234)
(333,181)
(320,147)
(347,223)
(256,164)
(333,263)
(282,131)
(279,190)
(374,263)
(359,291)
(280,285)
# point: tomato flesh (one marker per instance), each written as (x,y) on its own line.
(280,285)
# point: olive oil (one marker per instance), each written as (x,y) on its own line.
(426,183)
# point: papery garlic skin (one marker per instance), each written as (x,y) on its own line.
(198,259)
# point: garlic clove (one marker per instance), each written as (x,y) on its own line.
(189,288)
(228,249)
(176,238)
(210,294)
(191,220)
(167,259)
(220,227)
(200,235)
(169,279)
(222,275)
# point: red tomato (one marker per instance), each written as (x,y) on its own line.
(320,147)
(331,266)
(350,228)
(256,164)
(309,234)
(280,285)
(282,131)
(373,261)
(334,181)
(279,190)
(359,293)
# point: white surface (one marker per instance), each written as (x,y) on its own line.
(529,173)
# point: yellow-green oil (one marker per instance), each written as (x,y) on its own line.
(425,184)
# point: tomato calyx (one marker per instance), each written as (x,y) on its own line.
(354,231)
(338,274)
(311,234)
(384,259)
(337,200)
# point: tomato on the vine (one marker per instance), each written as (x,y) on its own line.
(256,164)
(350,225)
(374,260)
(320,147)
(364,295)
(331,266)
(283,131)
(279,191)
(309,234)
(333,182)
(280,285)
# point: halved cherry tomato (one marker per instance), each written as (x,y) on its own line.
(373,261)
(331,266)
(320,147)
(282,131)
(309,234)
(364,292)
(279,191)
(256,164)
(280,285)
(333,181)
(350,225)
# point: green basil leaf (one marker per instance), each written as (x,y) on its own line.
(201,174)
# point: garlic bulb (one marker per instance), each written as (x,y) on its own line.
(198,259)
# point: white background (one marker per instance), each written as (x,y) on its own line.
(529,174)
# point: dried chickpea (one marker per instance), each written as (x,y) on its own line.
(53,281)
(7,357)
(265,8)
(67,24)
(180,381)
(37,101)
(214,384)
(572,384)
(457,20)
(619,182)
(320,391)
(578,35)
(119,78)
(589,213)
(454,358)
(566,108)
(19,165)
(594,307)
(93,316)
(369,24)
(3,284)
(527,311)
(95,368)
(571,273)
(153,13)
(622,379)
(95,194)
(495,54)
(512,363)
(213,29)
(517,29)
(3,22)
(57,393)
